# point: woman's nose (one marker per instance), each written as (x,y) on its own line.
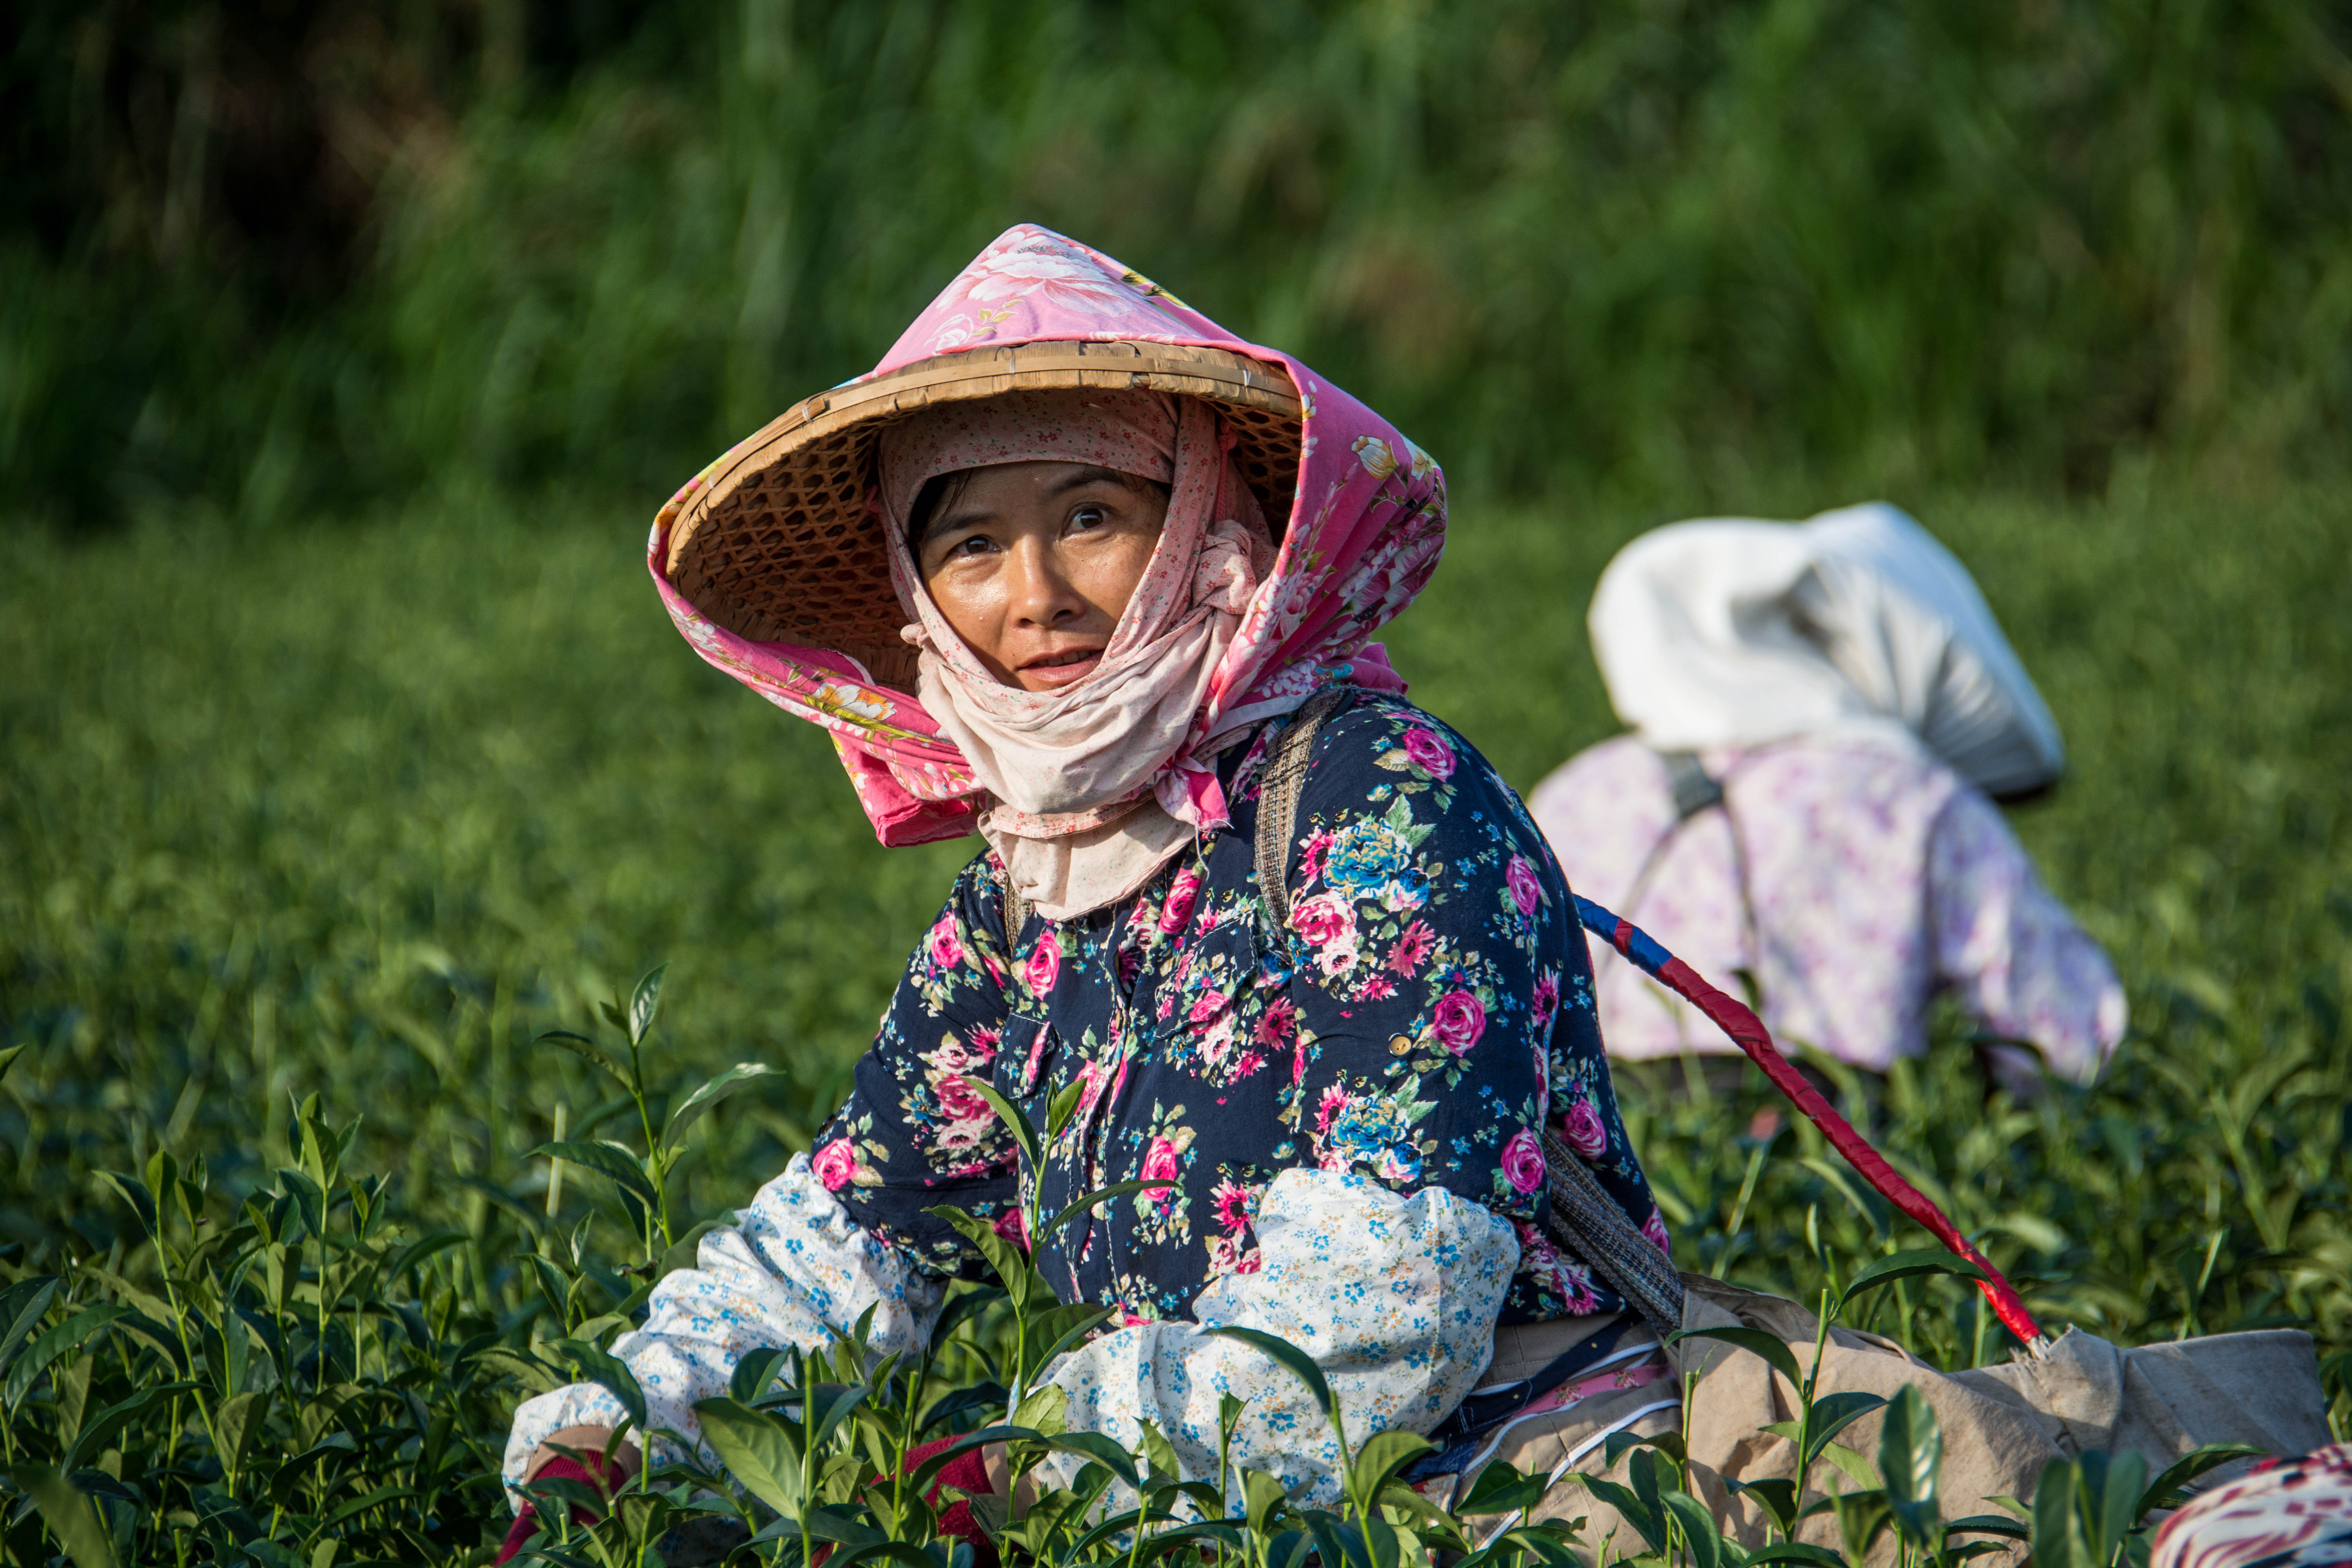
(1042,592)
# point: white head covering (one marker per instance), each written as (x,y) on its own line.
(1732,632)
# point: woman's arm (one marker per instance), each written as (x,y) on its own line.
(841,1230)
(1395,1298)
(794,1270)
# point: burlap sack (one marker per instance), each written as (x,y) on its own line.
(2001,1425)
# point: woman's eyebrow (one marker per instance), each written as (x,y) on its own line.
(1090,474)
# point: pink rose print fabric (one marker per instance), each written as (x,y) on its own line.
(1852,877)
(1427,1008)
(1361,538)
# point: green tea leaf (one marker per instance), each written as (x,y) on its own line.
(1381,1456)
(1908,1265)
(928,1472)
(1853,1465)
(416,1252)
(644,1002)
(23,1305)
(1108,1453)
(829,1523)
(825,1405)
(755,1373)
(1044,1408)
(310,1198)
(1500,1488)
(1011,1115)
(603,1367)
(1263,1498)
(237,1420)
(734,1080)
(53,1343)
(143,1202)
(757,1450)
(1989,1524)
(1777,1498)
(2170,1488)
(587,1050)
(2116,1483)
(1832,1413)
(1702,1541)
(606,1158)
(1011,1265)
(67,1510)
(2057,1533)
(1291,1359)
(1100,1195)
(1770,1348)
(1641,1512)
(980,1396)
(1159,1454)
(110,1420)
(1088,1322)
(1795,1551)
(1059,1109)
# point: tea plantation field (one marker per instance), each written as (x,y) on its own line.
(356,812)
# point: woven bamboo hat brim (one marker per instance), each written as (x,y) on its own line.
(780,546)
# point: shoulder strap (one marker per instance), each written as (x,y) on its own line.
(1016,913)
(1277,800)
(1594,1226)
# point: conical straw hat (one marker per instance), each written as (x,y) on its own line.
(781,545)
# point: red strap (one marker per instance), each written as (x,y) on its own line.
(1746,1031)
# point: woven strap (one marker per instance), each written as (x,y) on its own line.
(1277,800)
(1016,913)
(1595,1227)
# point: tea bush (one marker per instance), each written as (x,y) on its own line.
(306,842)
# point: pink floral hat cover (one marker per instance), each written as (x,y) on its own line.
(1365,531)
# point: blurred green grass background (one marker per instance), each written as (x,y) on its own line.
(297,258)
(346,348)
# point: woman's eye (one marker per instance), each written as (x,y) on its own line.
(1086,516)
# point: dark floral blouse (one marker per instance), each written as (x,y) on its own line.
(1430,1005)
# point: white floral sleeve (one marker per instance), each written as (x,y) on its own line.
(1395,1298)
(792,1268)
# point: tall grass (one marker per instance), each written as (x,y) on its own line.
(1673,245)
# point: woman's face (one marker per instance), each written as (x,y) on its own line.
(1032,563)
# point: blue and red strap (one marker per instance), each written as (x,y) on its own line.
(1748,1032)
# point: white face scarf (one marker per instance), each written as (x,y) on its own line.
(1093,787)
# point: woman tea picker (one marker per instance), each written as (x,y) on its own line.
(1063,571)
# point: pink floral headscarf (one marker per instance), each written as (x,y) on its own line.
(1366,528)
